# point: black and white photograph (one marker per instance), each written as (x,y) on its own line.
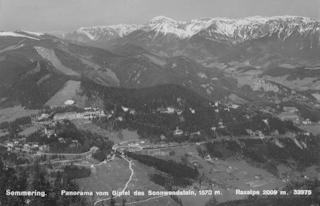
(159,103)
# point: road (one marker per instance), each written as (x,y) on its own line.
(127,183)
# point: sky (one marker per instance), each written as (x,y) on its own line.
(69,15)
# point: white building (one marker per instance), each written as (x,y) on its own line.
(178,132)
(69,102)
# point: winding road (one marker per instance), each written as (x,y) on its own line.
(127,183)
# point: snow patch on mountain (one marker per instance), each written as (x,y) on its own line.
(112,31)
(33,33)
(13,34)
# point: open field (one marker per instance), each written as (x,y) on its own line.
(140,181)
(313,128)
(12,113)
(312,172)
(226,175)
(50,55)
(2,133)
(115,174)
(68,92)
(129,135)
(107,177)
(29,130)
(116,137)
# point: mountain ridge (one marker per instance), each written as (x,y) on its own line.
(186,29)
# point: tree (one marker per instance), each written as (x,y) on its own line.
(112,200)
(124,202)
(211,202)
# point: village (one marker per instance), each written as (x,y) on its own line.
(45,124)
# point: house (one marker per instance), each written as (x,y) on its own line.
(125,109)
(290,109)
(306,133)
(9,144)
(168,110)
(207,158)
(133,112)
(61,140)
(250,132)
(75,141)
(35,145)
(44,147)
(178,132)
(26,146)
(179,112)
(196,133)
(162,137)
(43,116)
(48,132)
(306,121)
(234,106)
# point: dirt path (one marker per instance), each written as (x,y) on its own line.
(126,185)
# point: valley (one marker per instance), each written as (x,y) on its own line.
(210,111)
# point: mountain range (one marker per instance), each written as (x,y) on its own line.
(218,58)
(169,37)
(262,43)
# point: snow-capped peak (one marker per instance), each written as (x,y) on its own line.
(112,31)
(240,30)
(161,18)
(32,33)
(218,28)
(15,34)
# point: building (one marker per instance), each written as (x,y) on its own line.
(234,106)
(207,158)
(9,144)
(61,140)
(26,146)
(168,110)
(43,117)
(69,102)
(290,109)
(306,121)
(178,132)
